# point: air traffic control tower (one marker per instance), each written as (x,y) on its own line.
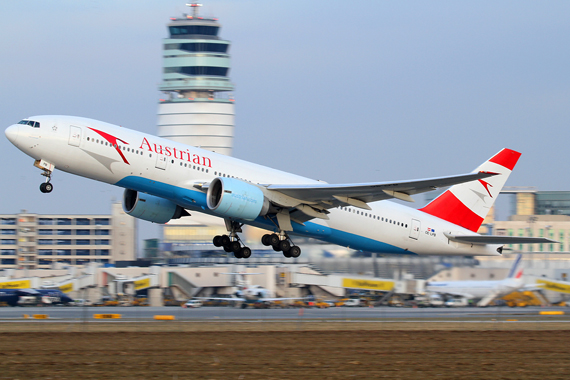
(198,109)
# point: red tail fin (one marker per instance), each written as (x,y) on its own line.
(467,204)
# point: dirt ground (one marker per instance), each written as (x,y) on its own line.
(271,351)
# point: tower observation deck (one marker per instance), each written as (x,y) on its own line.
(198,109)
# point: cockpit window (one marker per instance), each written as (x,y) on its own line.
(33,124)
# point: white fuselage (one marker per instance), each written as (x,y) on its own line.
(476,289)
(170,170)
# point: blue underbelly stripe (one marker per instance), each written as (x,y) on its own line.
(196,200)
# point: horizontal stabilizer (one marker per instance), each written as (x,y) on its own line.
(493,239)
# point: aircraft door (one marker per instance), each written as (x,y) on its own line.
(161,161)
(74,135)
(415,230)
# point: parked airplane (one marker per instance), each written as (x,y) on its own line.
(54,297)
(21,297)
(163,180)
(247,294)
(483,291)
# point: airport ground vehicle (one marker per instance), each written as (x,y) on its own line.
(352,302)
(457,302)
(435,300)
(193,304)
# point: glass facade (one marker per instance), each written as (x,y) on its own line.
(205,30)
(553,203)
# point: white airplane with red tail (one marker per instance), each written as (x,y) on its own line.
(165,180)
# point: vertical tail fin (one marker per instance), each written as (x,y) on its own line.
(468,203)
(514,268)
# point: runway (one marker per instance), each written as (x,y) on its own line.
(236,314)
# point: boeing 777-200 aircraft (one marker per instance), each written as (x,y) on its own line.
(163,180)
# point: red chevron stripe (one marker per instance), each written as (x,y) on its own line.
(451,209)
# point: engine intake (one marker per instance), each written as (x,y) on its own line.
(230,197)
(151,208)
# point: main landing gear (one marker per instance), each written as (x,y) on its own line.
(232,243)
(282,243)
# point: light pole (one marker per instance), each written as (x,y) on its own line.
(531,221)
(547,228)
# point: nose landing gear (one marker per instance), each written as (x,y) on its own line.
(47,170)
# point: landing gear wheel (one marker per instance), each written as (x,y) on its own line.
(225,240)
(245,252)
(273,239)
(46,187)
(287,254)
(265,240)
(276,248)
(295,251)
(227,248)
(284,245)
(238,254)
(235,246)
(218,241)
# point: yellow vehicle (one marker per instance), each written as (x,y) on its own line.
(321,304)
(140,302)
(523,299)
(299,303)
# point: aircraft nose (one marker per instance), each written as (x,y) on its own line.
(12,133)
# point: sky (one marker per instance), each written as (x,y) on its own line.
(357,91)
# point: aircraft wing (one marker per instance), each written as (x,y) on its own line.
(307,201)
(232,299)
(241,299)
(493,239)
(279,299)
(371,192)
(28,292)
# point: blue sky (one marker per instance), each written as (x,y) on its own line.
(340,91)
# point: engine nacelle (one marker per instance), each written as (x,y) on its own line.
(230,197)
(151,208)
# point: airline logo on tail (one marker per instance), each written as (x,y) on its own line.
(468,203)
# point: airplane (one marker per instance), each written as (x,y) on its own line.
(248,294)
(21,297)
(484,291)
(166,180)
(54,297)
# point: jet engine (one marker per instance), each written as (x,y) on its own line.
(232,198)
(151,208)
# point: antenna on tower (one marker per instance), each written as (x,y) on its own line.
(194,7)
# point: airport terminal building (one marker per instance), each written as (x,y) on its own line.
(35,241)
